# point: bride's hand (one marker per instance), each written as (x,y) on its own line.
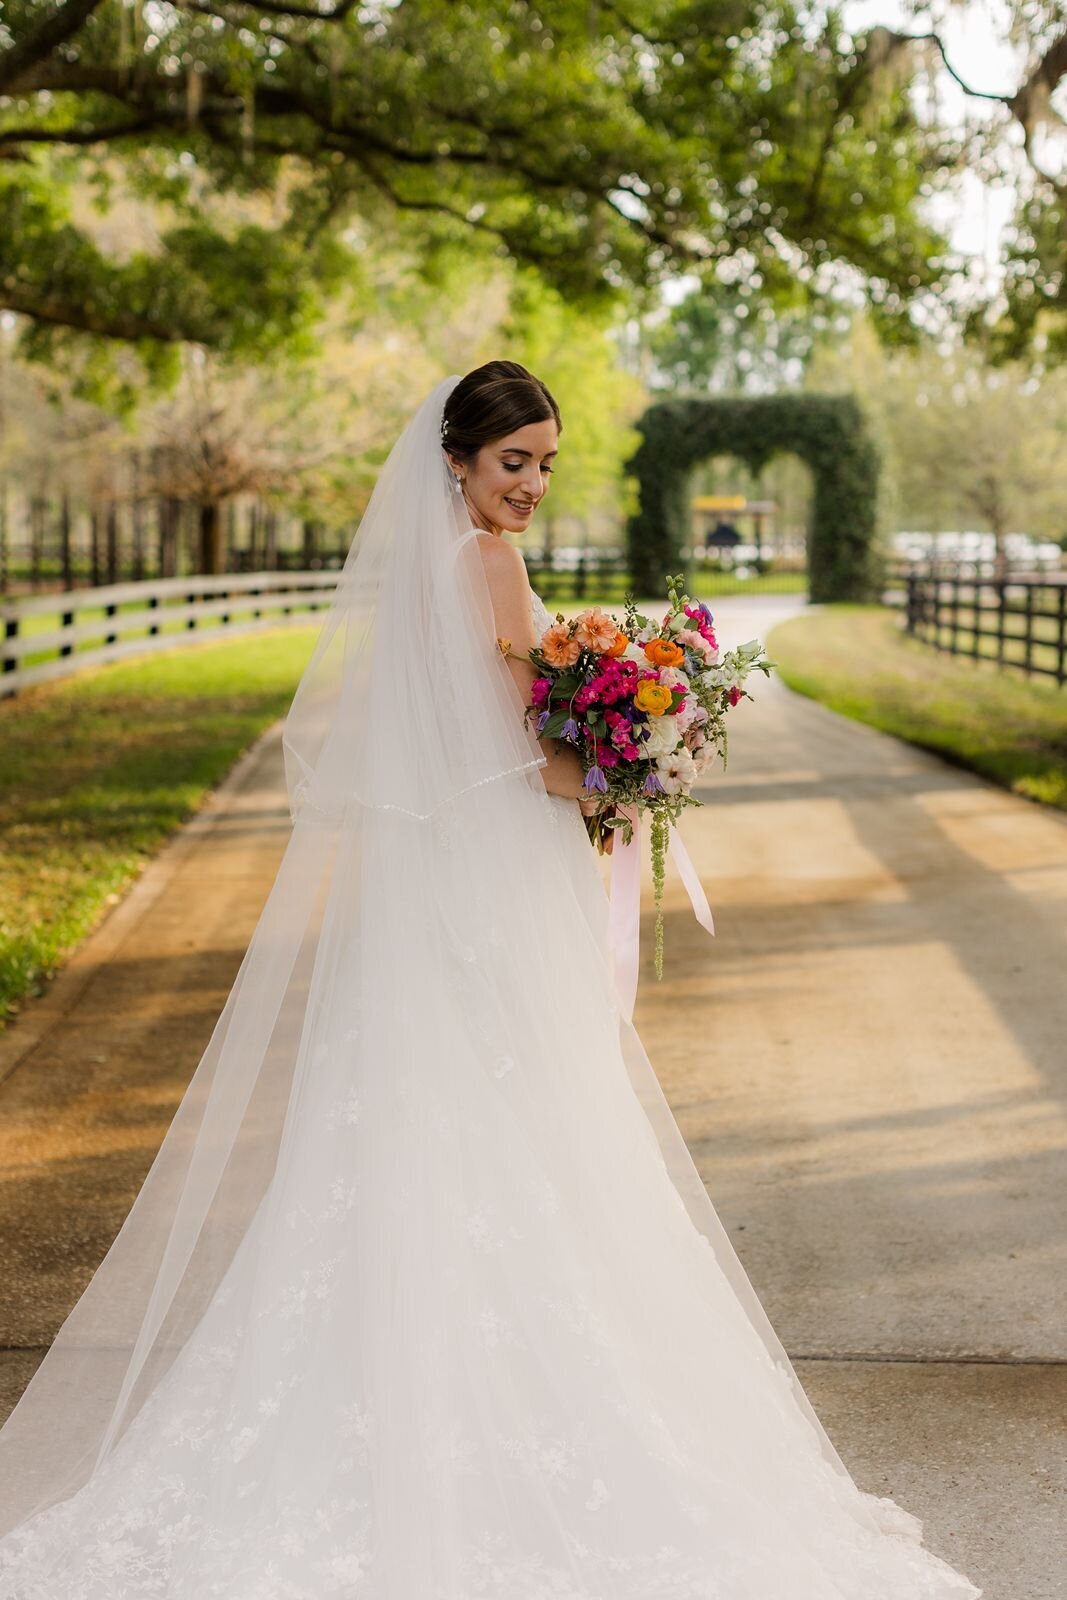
(589,805)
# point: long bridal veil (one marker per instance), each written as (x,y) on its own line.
(401,716)
(389,1115)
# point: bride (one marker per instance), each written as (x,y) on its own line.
(423,1298)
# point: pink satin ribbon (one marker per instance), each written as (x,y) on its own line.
(624,924)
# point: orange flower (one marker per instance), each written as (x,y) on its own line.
(557,646)
(596,630)
(662,653)
(621,641)
(652,697)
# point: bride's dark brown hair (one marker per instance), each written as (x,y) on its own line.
(491,402)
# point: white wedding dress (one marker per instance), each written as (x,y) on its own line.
(477,1344)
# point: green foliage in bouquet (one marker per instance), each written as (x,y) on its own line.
(575,700)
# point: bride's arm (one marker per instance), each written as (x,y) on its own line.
(509,590)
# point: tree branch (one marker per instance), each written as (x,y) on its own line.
(842,104)
(53,30)
(276,8)
(81,136)
(37,303)
(1029,105)
(936,40)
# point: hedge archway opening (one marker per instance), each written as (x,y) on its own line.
(827,432)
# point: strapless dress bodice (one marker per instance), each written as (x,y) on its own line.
(542,619)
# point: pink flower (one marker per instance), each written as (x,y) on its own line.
(702,620)
(734,695)
(695,641)
(691,712)
(539,691)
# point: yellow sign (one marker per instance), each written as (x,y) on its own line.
(719,502)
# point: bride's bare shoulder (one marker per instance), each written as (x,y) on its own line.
(509,584)
(505,568)
(498,550)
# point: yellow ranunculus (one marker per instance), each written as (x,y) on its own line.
(655,698)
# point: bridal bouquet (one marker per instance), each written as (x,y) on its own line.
(645,705)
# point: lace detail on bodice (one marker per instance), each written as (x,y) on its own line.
(541,615)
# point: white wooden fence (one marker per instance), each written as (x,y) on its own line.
(163,615)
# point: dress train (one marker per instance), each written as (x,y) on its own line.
(482,1341)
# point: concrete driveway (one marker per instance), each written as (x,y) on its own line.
(880,1111)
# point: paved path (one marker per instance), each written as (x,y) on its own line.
(880,1114)
(877,1108)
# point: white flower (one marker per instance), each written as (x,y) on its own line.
(677,771)
(663,739)
(633,652)
(673,677)
(690,714)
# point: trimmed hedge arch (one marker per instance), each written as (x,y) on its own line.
(826,431)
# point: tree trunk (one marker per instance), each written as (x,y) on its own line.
(231,555)
(270,540)
(311,542)
(64,541)
(95,574)
(211,540)
(4,566)
(112,543)
(169,514)
(255,531)
(137,513)
(38,509)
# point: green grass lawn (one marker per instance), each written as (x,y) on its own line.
(857,660)
(98,770)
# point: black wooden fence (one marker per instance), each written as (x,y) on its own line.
(1017,621)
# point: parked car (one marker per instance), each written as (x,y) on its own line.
(1021,549)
